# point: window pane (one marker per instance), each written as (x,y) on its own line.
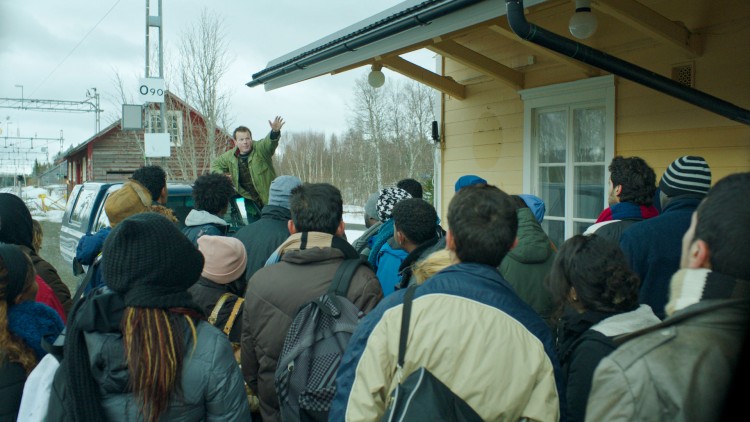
(580,227)
(589,191)
(83,206)
(552,189)
(551,136)
(555,230)
(588,134)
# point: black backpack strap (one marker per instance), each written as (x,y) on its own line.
(343,276)
(405,316)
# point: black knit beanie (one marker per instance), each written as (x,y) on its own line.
(151,263)
(15,221)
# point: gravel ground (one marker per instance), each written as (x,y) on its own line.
(51,253)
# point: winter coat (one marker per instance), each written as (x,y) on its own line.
(653,248)
(206,294)
(681,368)
(470,330)
(526,265)
(364,242)
(12,380)
(49,274)
(199,223)
(421,252)
(388,264)
(88,249)
(260,164)
(275,294)
(45,295)
(211,386)
(584,339)
(262,237)
(624,214)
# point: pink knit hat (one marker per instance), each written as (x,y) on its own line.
(225,258)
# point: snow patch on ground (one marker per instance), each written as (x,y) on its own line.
(44,203)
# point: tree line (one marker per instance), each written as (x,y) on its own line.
(388,138)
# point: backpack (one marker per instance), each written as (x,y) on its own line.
(306,373)
(422,396)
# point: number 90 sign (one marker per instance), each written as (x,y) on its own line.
(151,90)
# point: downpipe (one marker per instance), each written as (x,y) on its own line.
(627,70)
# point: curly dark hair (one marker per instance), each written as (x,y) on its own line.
(412,186)
(636,177)
(212,192)
(416,219)
(152,178)
(598,270)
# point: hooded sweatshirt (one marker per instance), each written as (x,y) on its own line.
(200,222)
(526,265)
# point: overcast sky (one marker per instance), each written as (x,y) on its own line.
(60,49)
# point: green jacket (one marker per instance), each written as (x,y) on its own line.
(526,265)
(260,164)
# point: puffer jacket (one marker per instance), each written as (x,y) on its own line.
(526,265)
(12,380)
(211,386)
(260,164)
(274,295)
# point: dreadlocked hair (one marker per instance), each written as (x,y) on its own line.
(11,347)
(154,350)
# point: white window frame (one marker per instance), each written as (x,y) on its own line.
(600,90)
(171,116)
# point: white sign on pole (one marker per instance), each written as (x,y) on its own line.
(157,144)
(151,90)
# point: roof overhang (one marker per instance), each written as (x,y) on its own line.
(398,30)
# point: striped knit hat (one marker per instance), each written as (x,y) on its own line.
(686,175)
(387,198)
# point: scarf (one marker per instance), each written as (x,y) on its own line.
(33,322)
(692,285)
(627,211)
(385,233)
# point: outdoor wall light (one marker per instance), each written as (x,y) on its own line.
(583,23)
(376,78)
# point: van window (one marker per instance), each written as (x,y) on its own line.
(82,207)
(102,220)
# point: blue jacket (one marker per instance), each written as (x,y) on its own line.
(470,329)
(89,247)
(653,248)
(388,262)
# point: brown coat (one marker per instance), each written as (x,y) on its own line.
(275,294)
(49,274)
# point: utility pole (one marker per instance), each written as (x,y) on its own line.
(155,21)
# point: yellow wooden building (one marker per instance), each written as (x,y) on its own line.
(544,112)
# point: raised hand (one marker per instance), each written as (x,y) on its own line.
(277,123)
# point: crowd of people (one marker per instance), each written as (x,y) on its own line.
(641,317)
